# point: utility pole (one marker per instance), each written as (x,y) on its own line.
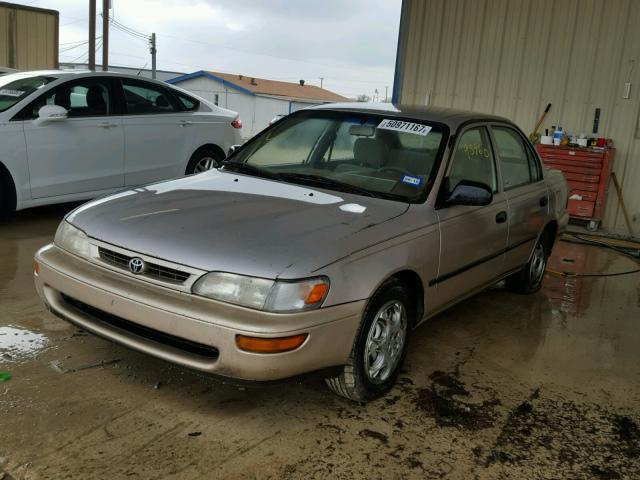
(386,91)
(321,80)
(152,50)
(92,35)
(105,35)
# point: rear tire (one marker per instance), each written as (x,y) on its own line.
(7,194)
(380,345)
(529,279)
(204,159)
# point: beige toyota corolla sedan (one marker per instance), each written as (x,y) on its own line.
(317,247)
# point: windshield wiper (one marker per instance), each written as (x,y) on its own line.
(320,181)
(250,169)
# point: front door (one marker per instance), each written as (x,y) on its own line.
(85,152)
(527,197)
(472,239)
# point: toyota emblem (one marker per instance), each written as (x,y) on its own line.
(136,265)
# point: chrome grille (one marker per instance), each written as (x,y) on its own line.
(152,270)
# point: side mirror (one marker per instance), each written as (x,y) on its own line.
(232,150)
(50,113)
(471,193)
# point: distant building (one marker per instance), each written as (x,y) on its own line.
(162,75)
(28,37)
(257,100)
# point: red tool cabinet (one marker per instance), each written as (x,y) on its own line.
(587,172)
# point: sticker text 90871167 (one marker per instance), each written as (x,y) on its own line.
(402,126)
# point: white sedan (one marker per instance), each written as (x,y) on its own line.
(69,135)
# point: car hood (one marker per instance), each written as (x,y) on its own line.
(219,221)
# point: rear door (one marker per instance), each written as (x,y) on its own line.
(83,153)
(159,134)
(525,191)
(472,239)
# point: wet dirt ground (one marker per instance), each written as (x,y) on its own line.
(499,387)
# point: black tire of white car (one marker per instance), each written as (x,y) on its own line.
(529,279)
(362,379)
(7,195)
(202,160)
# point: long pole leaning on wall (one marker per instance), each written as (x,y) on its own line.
(105,35)
(92,35)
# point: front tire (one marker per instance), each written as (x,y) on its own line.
(7,195)
(203,160)
(380,345)
(529,279)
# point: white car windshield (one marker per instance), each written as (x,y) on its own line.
(369,154)
(15,87)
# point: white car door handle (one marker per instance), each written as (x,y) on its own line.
(107,124)
(184,123)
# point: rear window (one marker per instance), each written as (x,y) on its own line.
(15,87)
(187,102)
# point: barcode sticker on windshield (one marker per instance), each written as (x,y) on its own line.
(11,93)
(411,180)
(406,127)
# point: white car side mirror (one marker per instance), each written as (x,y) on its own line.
(50,113)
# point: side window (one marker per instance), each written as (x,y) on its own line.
(145,98)
(473,160)
(515,163)
(86,98)
(187,102)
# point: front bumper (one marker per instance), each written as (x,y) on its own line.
(188,330)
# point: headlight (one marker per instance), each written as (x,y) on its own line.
(263,294)
(72,239)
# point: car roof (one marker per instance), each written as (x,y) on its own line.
(82,73)
(449,116)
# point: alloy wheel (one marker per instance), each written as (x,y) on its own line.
(538,265)
(205,163)
(385,341)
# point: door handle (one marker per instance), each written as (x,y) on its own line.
(107,124)
(501,217)
(544,201)
(184,123)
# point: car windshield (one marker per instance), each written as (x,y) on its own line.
(366,154)
(14,87)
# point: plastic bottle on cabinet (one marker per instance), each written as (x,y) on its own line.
(557,136)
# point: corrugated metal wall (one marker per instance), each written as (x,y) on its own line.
(512,57)
(28,37)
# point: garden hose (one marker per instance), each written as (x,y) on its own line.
(629,249)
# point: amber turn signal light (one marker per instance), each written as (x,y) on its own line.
(270,345)
(36,268)
(316,294)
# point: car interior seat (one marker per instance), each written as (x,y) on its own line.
(63,98)
(95,101)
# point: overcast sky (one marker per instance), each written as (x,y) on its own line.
(351,43)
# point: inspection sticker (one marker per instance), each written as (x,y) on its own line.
(411,180)
(11,93)
(407,127)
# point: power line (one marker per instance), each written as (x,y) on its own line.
(73,47)
(129,31)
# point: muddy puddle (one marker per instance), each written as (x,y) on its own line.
(18,343)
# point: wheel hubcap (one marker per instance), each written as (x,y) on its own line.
(385,341)
(205,163)
(538,264)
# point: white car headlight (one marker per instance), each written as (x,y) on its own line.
(72,239)
(263,294)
